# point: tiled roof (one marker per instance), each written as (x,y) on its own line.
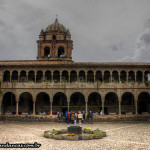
(66,63)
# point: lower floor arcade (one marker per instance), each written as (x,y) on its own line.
(43,105)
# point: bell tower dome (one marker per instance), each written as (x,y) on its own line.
(55,43)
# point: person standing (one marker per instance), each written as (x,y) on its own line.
(72,117)
(83,117)
(91,117)
(75,118)
(66,117)
(80,117)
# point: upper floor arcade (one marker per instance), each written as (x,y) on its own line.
(76,75)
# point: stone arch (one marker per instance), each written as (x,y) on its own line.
(94,102)
(23,76)
(73,76)
(111,104)
(14,77)
(39,76)
(146,76)
(25,103)
(131,77)
(115,76)
(139,76)
(59,102)
(42,103)
(56,76)
(90,76)
(127,103)
(48,76)
(77,101)
(123,76)
(99,76)
(65,76)
(31,76)
(106,76)
(6,76)
(82,76)
(144,102)
(9,103)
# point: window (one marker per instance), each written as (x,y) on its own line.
(61,52)
(46,52)
(54,37)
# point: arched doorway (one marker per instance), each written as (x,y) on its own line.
(127,103)
(94,102)
(25,103)
(144,103)
(77,102)
(111,104)
(59,102)
(9,103)
(42,104)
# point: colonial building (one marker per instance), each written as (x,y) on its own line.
(55,82)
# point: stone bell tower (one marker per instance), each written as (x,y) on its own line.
(55,43)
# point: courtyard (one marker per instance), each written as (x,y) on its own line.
(120,136)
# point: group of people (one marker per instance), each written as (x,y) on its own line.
(73,117)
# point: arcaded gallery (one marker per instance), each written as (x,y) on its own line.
(54,82)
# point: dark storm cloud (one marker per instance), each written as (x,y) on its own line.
(101,30)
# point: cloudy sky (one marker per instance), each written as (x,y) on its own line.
(102,30)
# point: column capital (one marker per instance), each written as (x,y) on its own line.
(34,100)
(17,100)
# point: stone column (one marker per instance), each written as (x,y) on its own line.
(102,77)
(111,77)
(103,113)
(34,107)
(0,107)
(94,78)
(27,78)
(86,107)
(60,77)
(68,106)
(127,77)
(119,78)
(136,108)
(119,107)
(85,78)
(69,78)
(52,78)
(43,77)
(77,78)
(143,77)
(18,77)
(51,107)
(17,106)
(135,77)
(10,77)
(35,78)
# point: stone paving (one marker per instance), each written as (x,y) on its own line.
(120,136)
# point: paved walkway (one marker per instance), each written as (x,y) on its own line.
(120,136)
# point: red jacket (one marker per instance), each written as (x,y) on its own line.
(68,115)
